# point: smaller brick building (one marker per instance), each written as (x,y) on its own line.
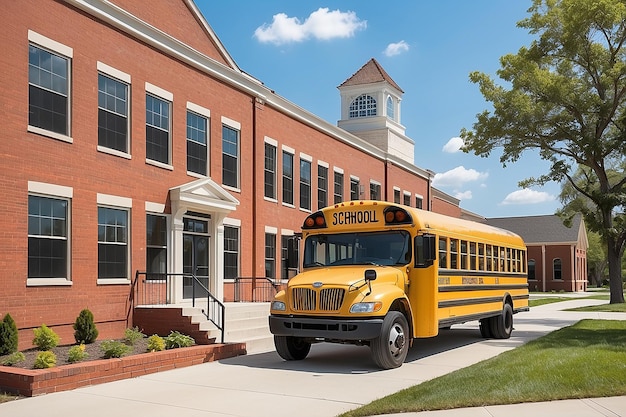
(557,254)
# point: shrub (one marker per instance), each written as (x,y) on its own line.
(45,338)
(77,353)
(114,349)
(13,359)
(131,336)
(45,359)
(84,328)
(177,340)
(8,335)
(155,343)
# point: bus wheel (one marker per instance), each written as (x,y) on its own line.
(292,348)
(485,328)
(502,325)
(390,348)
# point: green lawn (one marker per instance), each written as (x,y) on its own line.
(547,300)
(585,360)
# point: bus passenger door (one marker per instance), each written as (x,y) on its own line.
(423,288)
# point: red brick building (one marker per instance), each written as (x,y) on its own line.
(132,141)
(557,255)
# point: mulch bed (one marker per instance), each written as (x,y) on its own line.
(94,351)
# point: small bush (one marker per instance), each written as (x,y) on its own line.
(114,349)
(156,343)
(131,336)
(77,353)
(178,340)
(84,328)
(14,359)
(45,359)
(8,335)
(45,338)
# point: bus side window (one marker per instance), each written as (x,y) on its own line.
(481,256)
(454,251)
(472,256)
(464,254)
(488,258)
(443,251)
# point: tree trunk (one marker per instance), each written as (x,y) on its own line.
(615,273)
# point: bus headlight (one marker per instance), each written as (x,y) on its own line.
(278,306)
(371,307)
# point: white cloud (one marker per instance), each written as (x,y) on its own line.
(527,196)
(454,145)
(321,24)
(458,176)
(463,195)
(396,48)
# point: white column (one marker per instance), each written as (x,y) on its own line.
(176,286)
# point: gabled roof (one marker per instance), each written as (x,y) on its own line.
(370,73)
(544,229)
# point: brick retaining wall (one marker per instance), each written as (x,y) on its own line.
(32,382)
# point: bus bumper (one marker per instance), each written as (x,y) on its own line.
(334,329)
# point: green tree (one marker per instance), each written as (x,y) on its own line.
(565,97)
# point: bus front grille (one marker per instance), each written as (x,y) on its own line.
(327,299)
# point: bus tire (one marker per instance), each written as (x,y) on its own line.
(502,325)
(292,348)
(485,328)
(389,350)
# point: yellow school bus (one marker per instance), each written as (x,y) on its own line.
(382,274)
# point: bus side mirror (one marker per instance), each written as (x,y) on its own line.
(424,250)
(292,253)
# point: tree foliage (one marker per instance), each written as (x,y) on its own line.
(564,96)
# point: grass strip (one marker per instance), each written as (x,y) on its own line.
(585,360)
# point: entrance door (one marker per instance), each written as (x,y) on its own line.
(195,257)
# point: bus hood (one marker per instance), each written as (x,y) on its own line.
(346,276)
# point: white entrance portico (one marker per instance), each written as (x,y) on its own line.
(204,202)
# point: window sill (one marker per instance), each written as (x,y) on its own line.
(231,188)
(270,199)
(50,134)
(113,152)
(48,282)
(113,281)
(159,164)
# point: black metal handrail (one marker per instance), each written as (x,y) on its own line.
(156,290)
(254,289)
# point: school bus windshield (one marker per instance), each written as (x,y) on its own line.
(374,248)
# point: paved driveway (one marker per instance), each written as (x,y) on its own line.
(333,378)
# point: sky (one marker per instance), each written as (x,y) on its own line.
(303,50)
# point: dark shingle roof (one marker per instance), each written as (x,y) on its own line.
(540,229)
(370,73)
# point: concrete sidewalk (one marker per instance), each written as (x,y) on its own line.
(332,380)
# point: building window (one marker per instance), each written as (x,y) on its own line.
(196,143)
(270,255)
(396,196)
(230,156)
(287,178)
(112,243)
(338,188)
(374,191)
(112,114)
(390,109)
(531,269)
(156,246)
(557,269)
(354,188)
(419,201)
(363,106)
(157,129)
(322,186)
(284,253)
(48,226)
(231,252)
(48,90)
(305,184)
(407,200)
(270,171)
